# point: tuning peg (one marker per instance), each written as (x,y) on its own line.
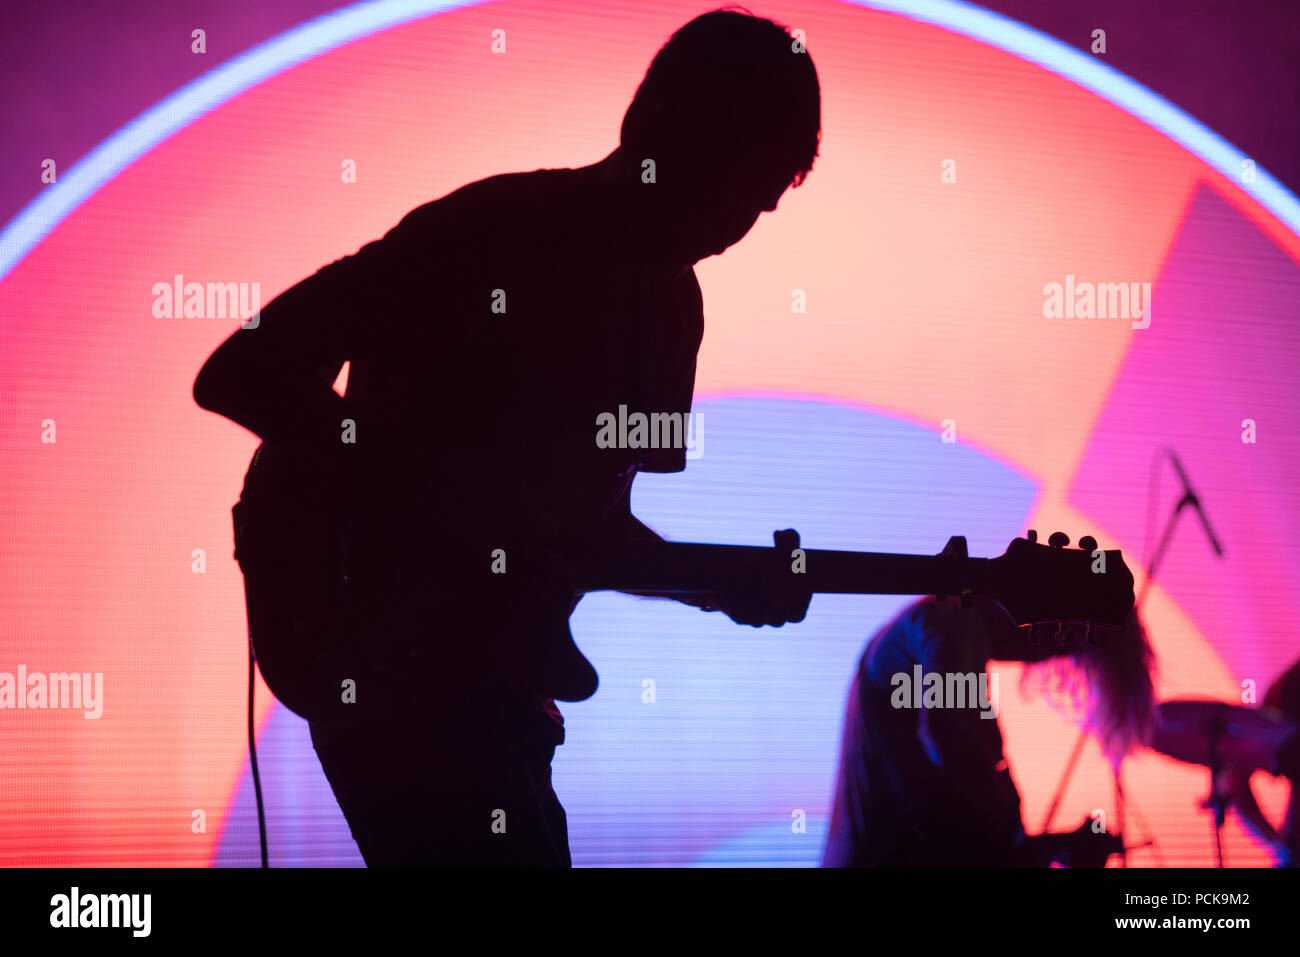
(1088,543)
(1058,540)
(1031,536)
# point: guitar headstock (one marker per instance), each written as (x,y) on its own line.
(1048,583)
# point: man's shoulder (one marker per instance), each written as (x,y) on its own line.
(909,621)
(920,633)
(886,648)
(484,208)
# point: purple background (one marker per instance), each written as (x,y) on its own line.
(77,70)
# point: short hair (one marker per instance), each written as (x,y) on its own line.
(729,86)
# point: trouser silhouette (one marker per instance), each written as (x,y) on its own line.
(466,787)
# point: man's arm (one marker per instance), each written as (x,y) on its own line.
(754,600)
(626,527)
(276,378)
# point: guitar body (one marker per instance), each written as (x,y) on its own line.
(360,611)
(343,636)
(292,543)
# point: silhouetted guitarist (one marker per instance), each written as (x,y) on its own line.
(486,333)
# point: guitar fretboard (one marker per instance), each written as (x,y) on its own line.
(679,568)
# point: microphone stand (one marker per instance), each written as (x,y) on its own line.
(1216,802)
(1189,500)
(1152,568)
(1119,818)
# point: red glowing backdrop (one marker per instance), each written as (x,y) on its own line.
(924,302)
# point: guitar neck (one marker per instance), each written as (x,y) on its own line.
(679,568)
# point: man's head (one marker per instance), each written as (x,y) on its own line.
(730,114)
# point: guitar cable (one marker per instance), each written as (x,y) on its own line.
(252,758)
(252,663)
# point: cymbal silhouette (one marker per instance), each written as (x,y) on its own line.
(1219,734)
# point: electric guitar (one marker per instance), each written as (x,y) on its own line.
(336,659)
